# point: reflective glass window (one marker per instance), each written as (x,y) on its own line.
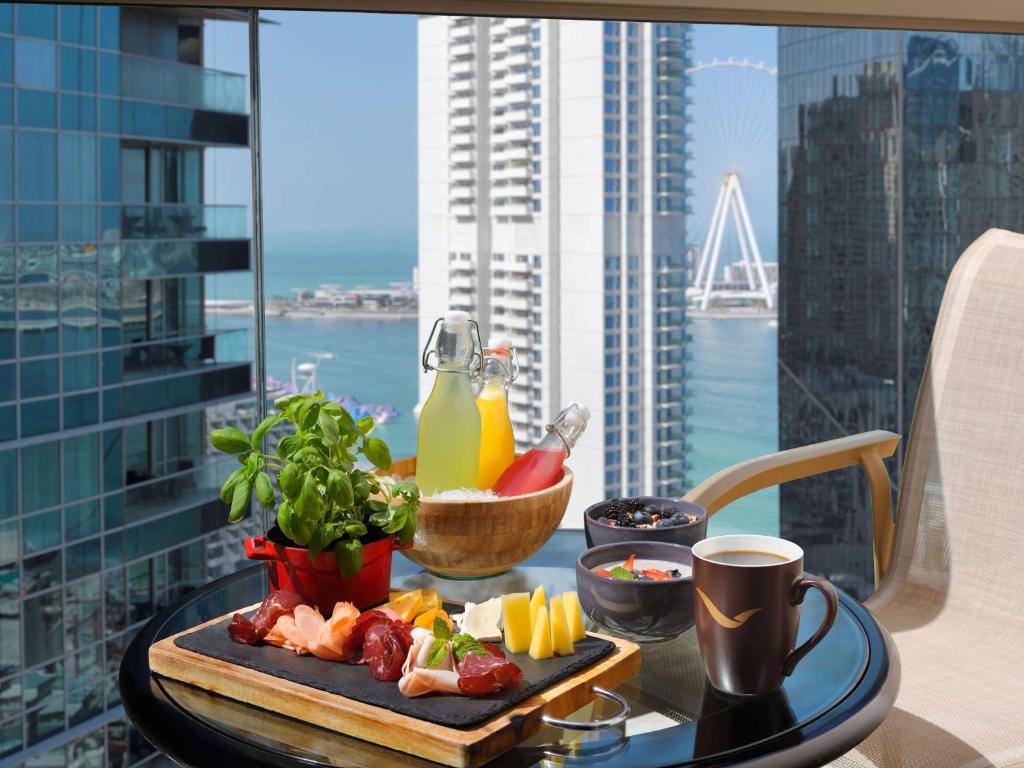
(80,372)
(37,20)
(7,383)
(81,410)
(37,165)
(37,264)
(77,166)
(9,540)
(6,106)
(79,316)
(37,223)
(78,24)
(8,484)
(110,27)
(77,113)
(10,642)
(81,560)
(77,69)
(114,590)
(113,517)
(40,473)
(81,467)
(35,64)
(6,58)
(39,378)
(6,17)
(37,315)
(6,164)
(78,223)
(110,74)
(40,417)
(37,109)
(6,223)
(39,532)
(113,468)
(81,520)
(110,169)
(44,628)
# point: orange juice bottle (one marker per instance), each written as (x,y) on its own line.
(497,443)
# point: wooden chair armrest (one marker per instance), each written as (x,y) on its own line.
(866,450)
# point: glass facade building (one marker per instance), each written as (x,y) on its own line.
(897,149)
(107,364)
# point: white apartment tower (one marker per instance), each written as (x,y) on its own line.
(552,203)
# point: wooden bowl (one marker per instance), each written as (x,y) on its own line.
(483,537)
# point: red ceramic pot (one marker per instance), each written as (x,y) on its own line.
(318,583)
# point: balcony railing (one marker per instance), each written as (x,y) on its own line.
(184,84)
(184,222)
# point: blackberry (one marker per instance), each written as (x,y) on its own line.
(621,511)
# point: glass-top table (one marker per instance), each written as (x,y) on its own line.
(837,696)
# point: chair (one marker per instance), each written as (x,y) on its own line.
(950,573)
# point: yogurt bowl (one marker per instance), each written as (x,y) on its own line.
(637,609)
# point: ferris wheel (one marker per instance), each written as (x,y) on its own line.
(734,166)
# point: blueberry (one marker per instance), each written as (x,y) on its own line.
(664,523)
(639,517)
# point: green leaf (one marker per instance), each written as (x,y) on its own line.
(288,445)
(285,402)
(289,481)
(355,529)
(227,490)
(317,542)
(376,450)
(438,653)
(240,500)
(230,440)
(308,414)
(360,488)
(441,629)
(349,554)
(328,427)
(261,431)
(366,424)
(264,490)
(339,488)
(408,531)
(286,519)
(345,418)
(618,572)
(396,521)
(465,644)
(309,504)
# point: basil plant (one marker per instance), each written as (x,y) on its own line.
(325,500)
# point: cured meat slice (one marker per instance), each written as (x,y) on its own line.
(385,647)
(338,630)
(274,605)
(363,624)
(421,681)
(276,637)
(479,675)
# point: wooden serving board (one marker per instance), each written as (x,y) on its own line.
(461,747)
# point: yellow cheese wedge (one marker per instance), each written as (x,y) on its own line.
(560,640)
(409,605)
(515,617)
(538,601)
(574,616)
(540,646)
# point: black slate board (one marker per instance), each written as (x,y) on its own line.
(354,681)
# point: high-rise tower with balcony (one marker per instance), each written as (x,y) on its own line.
(109,504)
(552,166)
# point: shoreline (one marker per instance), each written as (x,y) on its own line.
(314,314)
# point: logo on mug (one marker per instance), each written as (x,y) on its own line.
(734,623)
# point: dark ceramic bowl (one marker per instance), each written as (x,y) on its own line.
(644,611)
(601,533)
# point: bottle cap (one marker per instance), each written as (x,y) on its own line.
(455,317)
(499,342)
(579,410)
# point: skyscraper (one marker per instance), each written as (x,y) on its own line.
(552,167)
(109,505)
(897,149)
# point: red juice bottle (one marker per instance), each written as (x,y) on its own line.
(541,466)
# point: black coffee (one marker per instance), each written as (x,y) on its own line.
(746,557)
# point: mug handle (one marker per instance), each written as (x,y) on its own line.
(796,597)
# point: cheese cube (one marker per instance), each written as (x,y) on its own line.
(515,616)
(574,616)
(560,640)
(540,646)
(538,601)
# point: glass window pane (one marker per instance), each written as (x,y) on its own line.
(80,372)
(10,637)
(8,483)
(37,318)
(6,323)
(9,540)
(78,223)
(43,571)
(6,223)
(82,560)
(40,417)
(110,27)
(6,106)
(43,628)
(39,378)
(10,585)
(110,170)
(115,596)
(6,164)
(77,166)
(78,24)
(37,223)
(81,467)
(37,165)
(77,69)
(6,58)
(35,64)
(37,264)
(113,468)
(6,17)
(37,20)
(81,410)
(39,472)
(77,113)
(81,520)
(110,74)
(40,532)
(8,388)
(79,315)
(37,109)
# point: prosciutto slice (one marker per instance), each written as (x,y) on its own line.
(479,675)
(305,631)
(274,605)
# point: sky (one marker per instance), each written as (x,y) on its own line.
(339,121)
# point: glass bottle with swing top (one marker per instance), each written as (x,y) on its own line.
(541,466)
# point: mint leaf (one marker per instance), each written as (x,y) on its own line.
(438,653)
(441,630)
(465,644)
(618,572)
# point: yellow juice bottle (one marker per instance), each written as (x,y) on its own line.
(448,437)
(497,443)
